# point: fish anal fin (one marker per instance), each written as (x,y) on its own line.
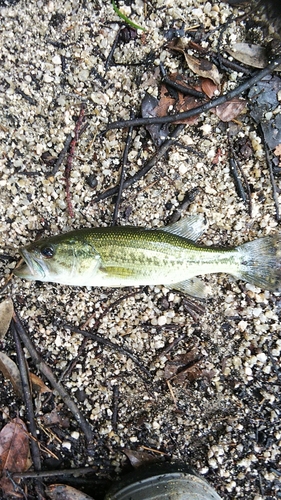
(194,287)
(191,227)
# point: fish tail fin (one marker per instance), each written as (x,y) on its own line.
(261,262)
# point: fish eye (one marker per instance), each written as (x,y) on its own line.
(47,252)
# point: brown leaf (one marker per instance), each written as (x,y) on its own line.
(166,102)
(230,109)
(65,492)
(54,418)
(277,150)
(188,375)
(209,87)
(11,372)
(138,458)
(184,367)
(38,385)
(179,361)
(14,452)
(6,314)
(203,67)
(185,103)
(249,54)
(150,107)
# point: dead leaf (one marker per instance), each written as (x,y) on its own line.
(178,363)
(249,54)
(277,150)
(150,108)
(182,104)
(185,103)
(203,67)
(230,109)
(65,492)
(14,453)
(209,87)
(6,314)
(138,458)
(217,158)
(11,372)
(38,385)
(166,103)
(54,418)
(263,101)
(185,368)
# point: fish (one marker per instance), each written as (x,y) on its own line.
(122,256)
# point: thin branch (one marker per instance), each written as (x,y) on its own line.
(45,370)
(237,181)
(171,346)
(137,122)
(61,156)
(115,407)
(97,323)
(147,167)
(112,50)
(194,309)
(180,88)
(27,396)
(271,176)
(122,174)
(26,97)
(189,198)
(235,169)
(52,473)
(112,345)
(107,309)
(72,149)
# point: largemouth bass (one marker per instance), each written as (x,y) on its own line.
(134,256)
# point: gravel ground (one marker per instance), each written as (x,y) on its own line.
(223,417)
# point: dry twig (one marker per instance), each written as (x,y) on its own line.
(52,473)
(61,156)
(112,345)
(271,176)
(28,402)
(115,407)
(122,174)
(199,109)
(70,157)
(45,370)
(146,168)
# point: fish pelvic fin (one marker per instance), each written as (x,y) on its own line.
(191,227)
(261,262)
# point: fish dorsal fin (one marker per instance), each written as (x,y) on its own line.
(191,227)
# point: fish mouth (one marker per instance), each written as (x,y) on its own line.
(31,268)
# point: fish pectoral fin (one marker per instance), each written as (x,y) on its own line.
(194,287)
(191,227)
